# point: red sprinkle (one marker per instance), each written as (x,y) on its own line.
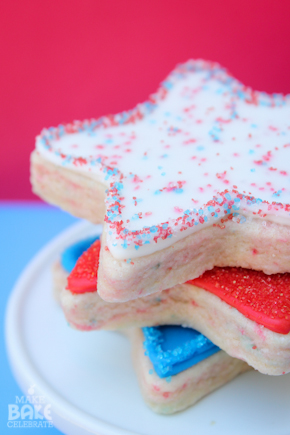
(83,277)
(260,297)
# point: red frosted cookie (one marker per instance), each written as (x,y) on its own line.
(257,333)
(262,298)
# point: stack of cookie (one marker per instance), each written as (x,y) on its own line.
(193,190)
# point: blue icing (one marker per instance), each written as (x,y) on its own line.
(71,254)
(173,349)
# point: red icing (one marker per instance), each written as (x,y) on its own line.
(260,297)
(83,277)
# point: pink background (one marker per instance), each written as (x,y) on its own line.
(74,59)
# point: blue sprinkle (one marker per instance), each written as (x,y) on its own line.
(151,372)
(153,229)
(277,193)
(178,190)
(253,170)
(163,173)
(157,192)
(200,148)
(124,245)
(167,85)
(228,196)
(164,226)
(168,379)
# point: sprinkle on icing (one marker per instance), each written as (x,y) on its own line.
(83,278)
(204,149)
(72,253)
(173,349)
(260,297)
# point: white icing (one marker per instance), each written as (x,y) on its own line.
(204,135)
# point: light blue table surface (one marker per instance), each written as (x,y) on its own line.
(25,227)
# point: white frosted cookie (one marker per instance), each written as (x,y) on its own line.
(193,178)
(226,305)
(178,392)
(258,245)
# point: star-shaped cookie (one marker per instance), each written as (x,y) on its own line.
(244,312)
(195,177)
(166,395)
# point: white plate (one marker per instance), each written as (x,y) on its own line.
(88,379)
